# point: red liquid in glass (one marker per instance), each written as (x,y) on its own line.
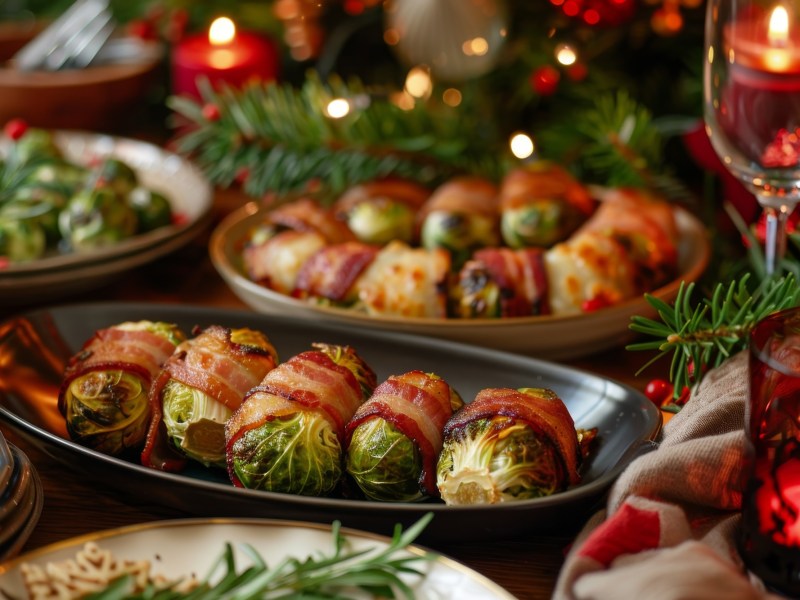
(770,540)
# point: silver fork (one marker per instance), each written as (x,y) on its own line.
(71,41)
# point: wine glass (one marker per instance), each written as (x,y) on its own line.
(751,89)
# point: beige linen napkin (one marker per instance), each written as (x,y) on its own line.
(669,528)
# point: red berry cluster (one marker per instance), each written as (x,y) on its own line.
(662,393)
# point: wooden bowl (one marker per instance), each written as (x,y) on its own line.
(98,98)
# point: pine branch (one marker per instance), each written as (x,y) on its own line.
(282,139)
(701,335)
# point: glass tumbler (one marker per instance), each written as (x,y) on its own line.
(770,540)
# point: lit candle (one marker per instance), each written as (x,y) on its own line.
(223,55)
(762,104)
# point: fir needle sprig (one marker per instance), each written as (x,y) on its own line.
(333,576)
(700,335)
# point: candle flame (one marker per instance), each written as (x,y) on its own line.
(778,33)
(221,32)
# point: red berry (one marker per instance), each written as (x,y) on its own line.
(544,80)
(595,303)
(659,391)
(16,128)
(211,112)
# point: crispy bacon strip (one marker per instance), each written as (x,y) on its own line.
(139,352)
(331,272)
(464,194)
(544,180)
(310,380)
(306,214)
(546,415)
(521,277)
(214,364)
(418,404)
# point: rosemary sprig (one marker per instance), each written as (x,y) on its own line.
(701,335)
(332,576)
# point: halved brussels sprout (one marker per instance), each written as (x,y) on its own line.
(107,409)
(476,294)
(379,222)
(529,451)
(152,209)
(94,218)
(21,239)
(496,460)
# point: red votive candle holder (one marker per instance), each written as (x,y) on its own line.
(770,541)
(233,58)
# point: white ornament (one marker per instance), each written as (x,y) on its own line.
(455,39)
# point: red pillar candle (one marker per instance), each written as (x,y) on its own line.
(223,56)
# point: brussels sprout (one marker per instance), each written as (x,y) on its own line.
(21,239)
(541,222)
(195,421)
(496,460)
(38,205)
(36,143)
(108,409)
(152,209)
(297,454)
(381,222)
(384,463)
(294,448)
(61,176)
(488,457)
(117,175)
(460,233)
(94,218)
(477,294)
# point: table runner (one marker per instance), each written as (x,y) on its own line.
(669,527)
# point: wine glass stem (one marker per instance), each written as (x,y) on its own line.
(775,243)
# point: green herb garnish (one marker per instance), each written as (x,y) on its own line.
(323,576)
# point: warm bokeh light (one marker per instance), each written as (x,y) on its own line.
(418,82)
(451,97)
(337,108)
(566,55)
(391,36)
(403,100)
(521,145)
(778,32)
(475,47)
(221,32)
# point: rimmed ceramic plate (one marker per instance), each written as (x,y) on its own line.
(551,337)
(190,195)
(187,547)
(35,346)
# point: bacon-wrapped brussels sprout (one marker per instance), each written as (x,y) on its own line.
(152,209)
(541,204)
(96,217)
(378,212)
(508,445)
(287,436)
(501,282)
(460,216)
(21,239)
(330,274)
(198,389)
(394,439)
(104,395)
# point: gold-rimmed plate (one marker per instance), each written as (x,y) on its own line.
(551,337)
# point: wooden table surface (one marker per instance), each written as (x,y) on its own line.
(527,567)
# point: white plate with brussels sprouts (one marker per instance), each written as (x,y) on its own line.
(35,347)
(554,337)
(77,209)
